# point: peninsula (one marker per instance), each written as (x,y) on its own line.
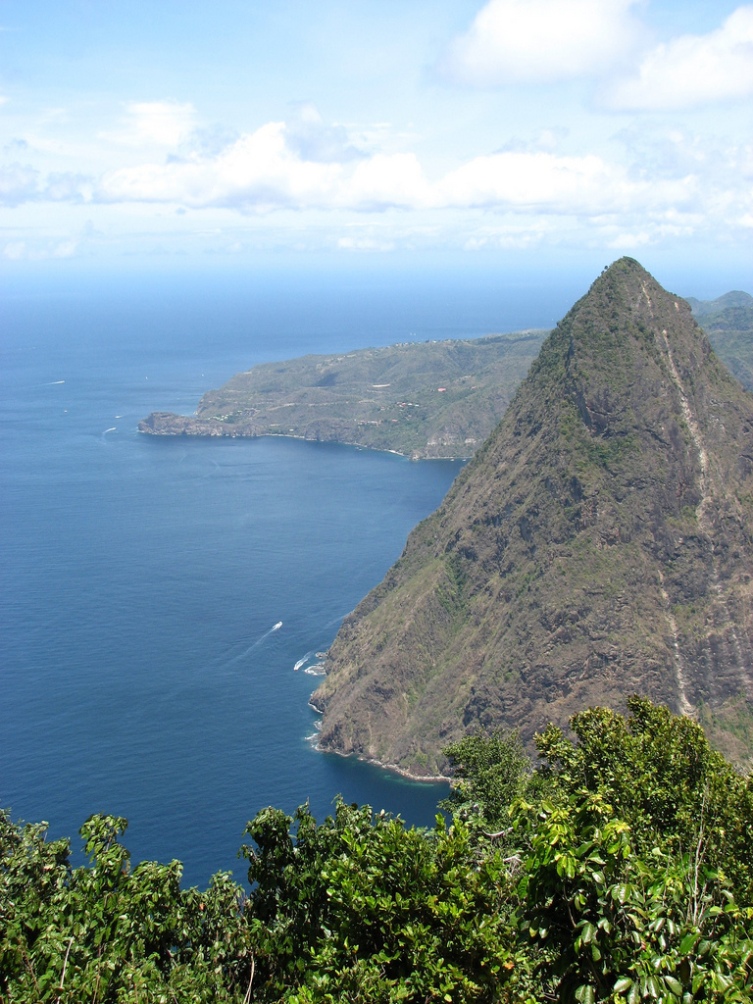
(424,400)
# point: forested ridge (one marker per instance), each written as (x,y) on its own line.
(617,868)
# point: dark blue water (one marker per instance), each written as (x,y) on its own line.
(142,668)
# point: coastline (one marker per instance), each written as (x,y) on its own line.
(438,399)
(391,768)
(414,455)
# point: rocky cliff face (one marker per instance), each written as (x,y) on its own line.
(599,544)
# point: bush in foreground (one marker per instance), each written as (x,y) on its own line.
(618,870)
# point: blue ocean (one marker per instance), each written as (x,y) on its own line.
(157,595)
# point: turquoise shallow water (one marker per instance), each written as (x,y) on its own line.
(156,594)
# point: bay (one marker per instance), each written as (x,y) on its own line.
(156,595)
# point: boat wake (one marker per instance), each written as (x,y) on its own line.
(256,644)
(303,660)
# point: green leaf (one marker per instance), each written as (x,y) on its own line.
(587,934)
(688,942)
(674,985)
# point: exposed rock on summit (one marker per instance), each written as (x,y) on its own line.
(599,544)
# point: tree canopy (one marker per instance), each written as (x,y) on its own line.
(616,869)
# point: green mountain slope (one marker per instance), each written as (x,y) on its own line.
(425,400)
(599,544)
(728,321)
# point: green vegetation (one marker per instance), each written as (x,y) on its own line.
(619,870)
(488,776)
(728,321)
(426,399)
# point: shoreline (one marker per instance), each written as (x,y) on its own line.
(414,457)
(391,768)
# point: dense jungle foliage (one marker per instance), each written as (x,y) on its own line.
(618,869)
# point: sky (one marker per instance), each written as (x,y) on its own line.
(525,131)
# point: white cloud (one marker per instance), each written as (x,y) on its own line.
(691,70)
(261,173)
(651,233)
(258,171)
(68,187)
(313,139)
(369,244)
(386,180)
(544,181)
(154,123)
(663,186)
(22,251)
(66,249)
(265,170)
(18,183)
(15,250)
(512,235)
(542,41)
(21,183)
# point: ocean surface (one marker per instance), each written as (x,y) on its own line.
(156,595)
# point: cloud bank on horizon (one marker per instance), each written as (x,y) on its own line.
(510,124)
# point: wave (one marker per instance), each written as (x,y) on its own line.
(303,660)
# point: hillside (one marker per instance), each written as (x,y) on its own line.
(424,400)
(421,399)
(728,321)
(599,544)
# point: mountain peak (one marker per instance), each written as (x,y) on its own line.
(598,545)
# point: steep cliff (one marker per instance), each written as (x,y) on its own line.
(600,543)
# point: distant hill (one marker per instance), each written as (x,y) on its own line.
(421,399)
(734,300)
(728,321)
(599,544)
